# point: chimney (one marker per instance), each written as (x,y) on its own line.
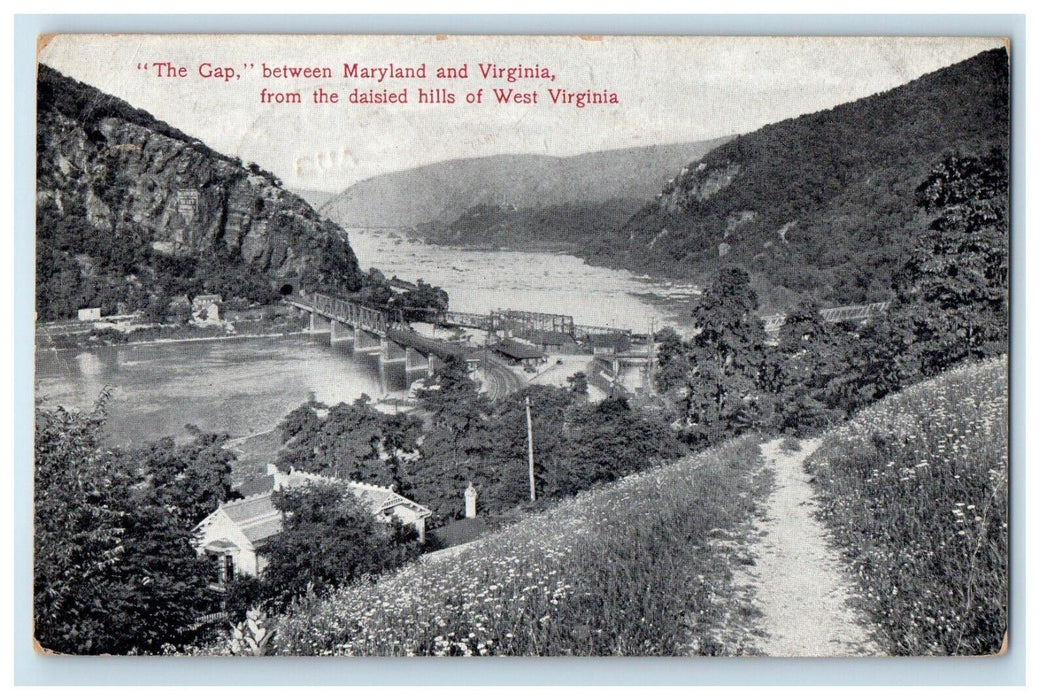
(470,501)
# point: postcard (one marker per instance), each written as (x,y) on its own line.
(521,345)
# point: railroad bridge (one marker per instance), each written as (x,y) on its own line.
(371,332)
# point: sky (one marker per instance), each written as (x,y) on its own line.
(669,89)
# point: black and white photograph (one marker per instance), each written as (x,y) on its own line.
(459,345)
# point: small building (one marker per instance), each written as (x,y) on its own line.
(610,343)
(233,533)
(207,308)
(519,353)
(554,341)
(90,314)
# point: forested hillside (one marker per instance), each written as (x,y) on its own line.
(823,203)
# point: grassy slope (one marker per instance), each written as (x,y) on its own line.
(914,489)
(638,567)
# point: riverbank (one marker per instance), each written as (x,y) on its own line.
(216,338)
(265,322)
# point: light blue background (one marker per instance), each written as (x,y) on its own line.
(33,669)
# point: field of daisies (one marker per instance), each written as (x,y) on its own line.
(914,489)
(637,567)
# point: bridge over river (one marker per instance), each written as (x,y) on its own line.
(373,331)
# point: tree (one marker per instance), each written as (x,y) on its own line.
(673,368)
(726,358)
(351,441)
(114,572)
(603,442)
(810,359)
(329,538)
(189,481)
(953,291)
(459,441)
(579,385)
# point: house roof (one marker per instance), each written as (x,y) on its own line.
(255,485)
(258,517)
(517,350)
(619,342)
(381,500)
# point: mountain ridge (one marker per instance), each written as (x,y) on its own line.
(823,203)
(441,192)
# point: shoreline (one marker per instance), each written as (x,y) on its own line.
(234,336)
(160,341)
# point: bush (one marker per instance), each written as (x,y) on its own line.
(329,538)
(914,489)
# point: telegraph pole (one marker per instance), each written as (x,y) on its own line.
(650,358)
(530,446)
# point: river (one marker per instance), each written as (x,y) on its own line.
(479,281)
(247,385)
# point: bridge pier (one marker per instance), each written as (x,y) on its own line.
(364,341)
(339,332)
(317,323)
(415,361)
(391,352)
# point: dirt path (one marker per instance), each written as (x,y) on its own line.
(799,581)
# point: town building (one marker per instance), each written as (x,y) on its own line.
(555,342)
(207,308)
(232,535)
(519,353)
(610,343)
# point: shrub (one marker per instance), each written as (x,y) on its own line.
(914,488)
(330,538)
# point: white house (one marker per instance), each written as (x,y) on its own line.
(232,534)
(207,309)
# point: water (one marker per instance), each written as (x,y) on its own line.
(480,281)
(247,385)
(239,387)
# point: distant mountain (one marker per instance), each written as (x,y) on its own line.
(131,211)
(442,192)
(823,203)
(562,227)
(314,198)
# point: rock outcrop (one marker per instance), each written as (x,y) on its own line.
(128,180)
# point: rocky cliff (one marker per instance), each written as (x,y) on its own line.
(129,209)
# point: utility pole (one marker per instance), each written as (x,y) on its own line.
(650,358)
(530,446)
